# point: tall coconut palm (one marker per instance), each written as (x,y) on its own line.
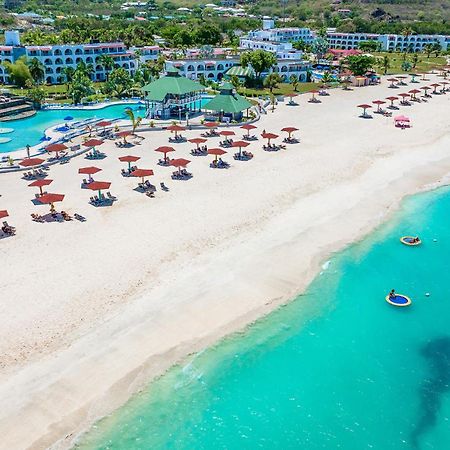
(107,62)
(37,70)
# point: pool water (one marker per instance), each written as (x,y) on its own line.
(338,368)
(30,130)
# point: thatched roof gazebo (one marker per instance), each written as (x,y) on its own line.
(172,95)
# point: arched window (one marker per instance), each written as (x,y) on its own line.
(190,68)
(219,67)
(49,80)
(78,51)
(98,68)
(125,66)
(89,60)
(57,52)
(58,61)
(78,60)
(200,68)
(69,61)
(210,75)
(48,62)
(67,51)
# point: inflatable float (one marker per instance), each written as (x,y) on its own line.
(398,300)
(410,240)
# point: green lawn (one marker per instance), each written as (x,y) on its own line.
(424,64)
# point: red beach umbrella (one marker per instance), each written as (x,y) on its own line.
(124,134)
(227,133)
(211,125)
(378,103)
(142,173)
(435,86)
(56,148)
(392,100)
(179,163)
(3,213)
(413,92)
(165,150)
(313,93)
(93,143)
(89,171)
(176,128)
(99,186)
(40,183)
(364,107)
(392,81)
(129,159)
(248,127)
(240,144)
(289,130)
(217,152)
(103,124)
(269,136)
(31,162)
(197,141)
(49,199)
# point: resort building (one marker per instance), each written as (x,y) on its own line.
(211,69)
(271,36)
(56,57)
(172,95)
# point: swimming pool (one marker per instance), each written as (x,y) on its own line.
(30,130)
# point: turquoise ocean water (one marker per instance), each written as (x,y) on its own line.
(338,368)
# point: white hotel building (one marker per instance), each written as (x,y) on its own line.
(56,57)
(271,39)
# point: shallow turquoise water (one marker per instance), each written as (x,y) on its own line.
(338,368)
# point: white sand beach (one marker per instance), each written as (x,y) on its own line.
(91,311)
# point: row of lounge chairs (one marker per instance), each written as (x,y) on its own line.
(273,147)
(226,143)
(181,175)
(290,140)
(146,185)
(95,154)
(177,138)
(210,133)
(128,172)
(107,200)
(201,151)
(251,137)
(219,164)
(163,162)
(243,156)
(37,173)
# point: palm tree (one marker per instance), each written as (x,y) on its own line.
(415,60)
(135,121)
(294,81)
(107,62)
(271,81)
(37,70)
(385,63)
(428,49)
(68,72)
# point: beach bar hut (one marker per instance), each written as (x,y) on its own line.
(172,96)
(228,103)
